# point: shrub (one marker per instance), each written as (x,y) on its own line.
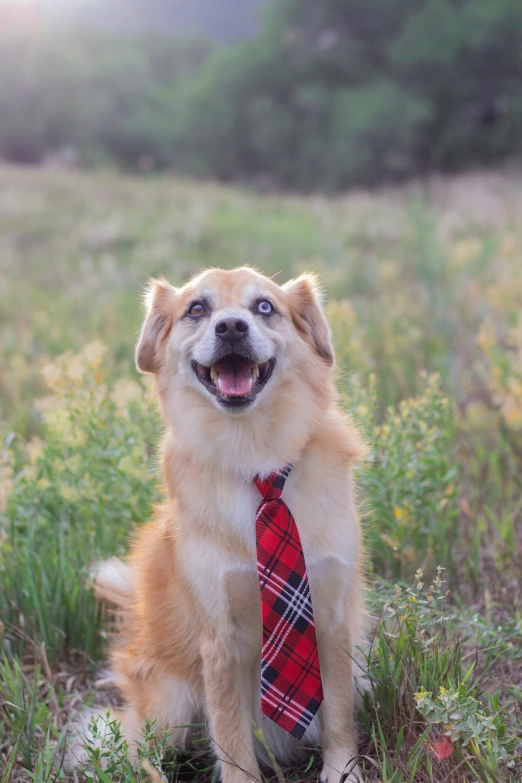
(418,649)
(503,351)
(408,484)
(76,497)
(375,133)
(465,721)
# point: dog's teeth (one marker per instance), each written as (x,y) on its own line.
(255,372)
(250,384)
(214,374)
(219,383)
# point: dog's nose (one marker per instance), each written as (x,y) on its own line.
(232,330)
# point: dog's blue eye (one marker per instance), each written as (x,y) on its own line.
(264,307)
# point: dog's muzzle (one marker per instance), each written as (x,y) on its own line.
(234,377)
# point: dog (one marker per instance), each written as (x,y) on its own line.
(244,377)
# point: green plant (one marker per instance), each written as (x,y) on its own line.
(409,483)
(418,648)
(465,721)
(28,707)
(402,655)
(75,497)
(108,761)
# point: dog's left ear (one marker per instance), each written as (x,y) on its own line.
(307,314)
(159,306)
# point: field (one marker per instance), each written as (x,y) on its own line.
(424,289)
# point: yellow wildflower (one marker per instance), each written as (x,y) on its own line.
(51,375)
(94,352)
(125,392)
(465,251)
(76,368)
(69,494)
(6,484)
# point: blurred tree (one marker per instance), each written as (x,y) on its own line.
(86,89)
(331,93)
(219,20)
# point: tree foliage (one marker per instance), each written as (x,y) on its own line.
(331,94)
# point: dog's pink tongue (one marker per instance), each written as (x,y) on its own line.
(234,380)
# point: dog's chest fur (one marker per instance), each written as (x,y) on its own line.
(220,561)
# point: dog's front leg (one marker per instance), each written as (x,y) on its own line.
(337,711)
(338,613)
(228,683)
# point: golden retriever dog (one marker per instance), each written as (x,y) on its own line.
(243,372)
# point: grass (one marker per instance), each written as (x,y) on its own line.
(424,298)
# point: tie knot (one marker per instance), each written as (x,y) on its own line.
(271,487)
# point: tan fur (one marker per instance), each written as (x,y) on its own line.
(191,641)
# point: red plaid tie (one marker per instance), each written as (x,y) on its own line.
(291,689)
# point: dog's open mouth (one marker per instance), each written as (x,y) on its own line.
(234,380)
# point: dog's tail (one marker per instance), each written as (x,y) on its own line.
(113,583)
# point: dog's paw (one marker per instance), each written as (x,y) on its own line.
(341,768)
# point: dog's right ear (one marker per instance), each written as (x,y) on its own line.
(159,305)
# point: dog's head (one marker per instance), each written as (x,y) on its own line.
(235,336)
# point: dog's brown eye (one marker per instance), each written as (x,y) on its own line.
(196,309)
(264,307)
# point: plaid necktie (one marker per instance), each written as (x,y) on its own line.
(291,689)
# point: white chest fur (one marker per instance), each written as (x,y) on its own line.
(324,514)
